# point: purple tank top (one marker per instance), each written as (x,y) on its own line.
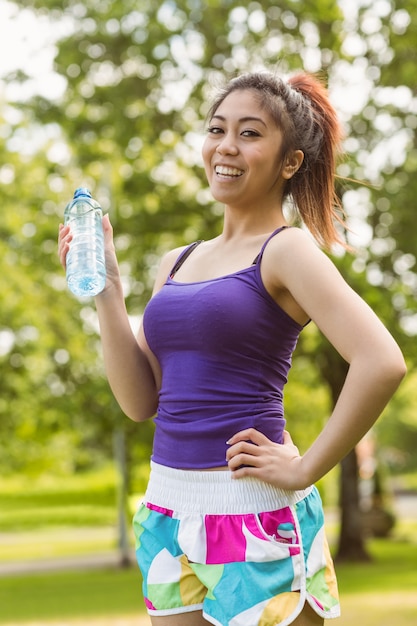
(225,348)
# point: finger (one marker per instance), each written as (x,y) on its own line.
(287,437)
(243,460)
(242,447)
(287,441)
(245,470)
(64,234)
(108,233)
(62,254)
(249,434)
(107,227)
(63,231)
(64,239)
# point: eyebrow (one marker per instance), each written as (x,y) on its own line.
(248,118)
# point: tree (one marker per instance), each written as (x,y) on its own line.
(137,82)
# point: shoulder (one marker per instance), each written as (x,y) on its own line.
(165,266)
(293,236)
(293,262)
(292,252)
(293,269)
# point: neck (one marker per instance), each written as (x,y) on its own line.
(238,224)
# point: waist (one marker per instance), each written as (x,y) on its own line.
(198,440)
(215,493)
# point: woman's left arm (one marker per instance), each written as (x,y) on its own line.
(376,368)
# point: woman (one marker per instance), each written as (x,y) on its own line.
(231,529)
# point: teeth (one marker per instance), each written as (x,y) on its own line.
(228,171)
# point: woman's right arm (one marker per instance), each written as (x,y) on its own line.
(132,370)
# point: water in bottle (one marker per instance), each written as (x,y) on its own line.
(86,270)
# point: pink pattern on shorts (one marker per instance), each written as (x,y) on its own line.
(160,509)
(226,541)
(149,604)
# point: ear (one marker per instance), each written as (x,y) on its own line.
(292,163)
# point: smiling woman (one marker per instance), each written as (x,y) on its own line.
(231,528)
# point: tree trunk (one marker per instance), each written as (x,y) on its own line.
(351,540)
(119,445)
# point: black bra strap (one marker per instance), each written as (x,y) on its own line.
(259,256)
(183,256)
(186,253)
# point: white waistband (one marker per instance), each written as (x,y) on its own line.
(215,492)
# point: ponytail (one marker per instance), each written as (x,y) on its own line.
(318,133)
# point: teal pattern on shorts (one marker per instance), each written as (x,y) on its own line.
(240,570)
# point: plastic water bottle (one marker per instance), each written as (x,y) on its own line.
(86,269)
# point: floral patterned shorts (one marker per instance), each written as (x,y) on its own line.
(243,552)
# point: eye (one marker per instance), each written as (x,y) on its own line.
(214,130)
(250,133)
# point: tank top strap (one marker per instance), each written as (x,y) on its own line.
(183,256)
(259,256)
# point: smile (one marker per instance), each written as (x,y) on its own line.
(222,170)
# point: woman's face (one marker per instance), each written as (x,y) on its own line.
(242,153)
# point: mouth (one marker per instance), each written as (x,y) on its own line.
(228,172)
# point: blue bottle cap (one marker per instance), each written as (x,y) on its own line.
(82,191)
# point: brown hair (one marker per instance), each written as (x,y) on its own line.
(301,107)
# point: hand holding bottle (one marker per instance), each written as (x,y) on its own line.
(85,263)
(85,246)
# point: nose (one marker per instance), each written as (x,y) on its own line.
(227,145)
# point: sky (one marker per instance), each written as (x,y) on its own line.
(27,43)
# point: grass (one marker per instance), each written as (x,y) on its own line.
(394,566)
(62,595)
(372,593)
(383,592)
(375,609)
